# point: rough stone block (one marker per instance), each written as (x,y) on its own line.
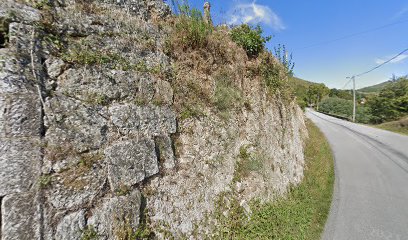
(94,85)
(116,214)
(164,93)
(21,114)
(76,187)
(11,78)
(20,162)
(54,66)
(13,10)
(130,162)
(20,217)
(69,120)
(166,153)
(148,120)
(71,226)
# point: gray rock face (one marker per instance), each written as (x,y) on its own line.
(21,217)
(99,87)
(80,143)
(116,216)
(20,165)
(54,66)
(165,148)
(18,12)
(21,115)
(76,187)
(146,8)
(147,120)
(55,182)
(130,162)
(71,227)
(71,121)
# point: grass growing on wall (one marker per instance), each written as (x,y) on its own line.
(303,213)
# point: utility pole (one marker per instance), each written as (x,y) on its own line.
(353,78)
(354,98)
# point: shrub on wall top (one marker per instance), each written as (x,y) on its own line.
(250,39)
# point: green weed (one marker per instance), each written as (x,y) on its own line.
(226,95)
(89,233)
(45,181)
(301,215)
(190,29)
(248,162)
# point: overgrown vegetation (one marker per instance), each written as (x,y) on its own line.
(399,126)
(226,95)
(301,215)
(247,163)
(270,73)
(89,233)
(344,108)
(45,181)
(213,63)
(391,103)
(285,58)
(190,29)
(378,104)
(250,39)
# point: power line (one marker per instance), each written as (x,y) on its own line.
(353,35)
(376,67)
(347,83)
(382,64)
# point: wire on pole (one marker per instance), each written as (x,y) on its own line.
(382,64)
(374,68)
(353,35)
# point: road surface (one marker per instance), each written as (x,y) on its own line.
(370,198)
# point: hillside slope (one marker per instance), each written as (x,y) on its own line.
(378,87)
(111,131)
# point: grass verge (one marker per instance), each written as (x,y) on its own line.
(303,213)
(400,126)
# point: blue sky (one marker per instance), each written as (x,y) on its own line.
(301,24)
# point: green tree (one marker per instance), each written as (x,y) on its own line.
(344,94)
(316,93)
(391,103)
(342,107)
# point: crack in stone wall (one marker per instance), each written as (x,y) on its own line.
(1,216)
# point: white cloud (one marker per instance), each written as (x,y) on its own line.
(401,13)
(399,59)
(253,13)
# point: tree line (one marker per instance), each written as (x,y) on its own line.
(387,104)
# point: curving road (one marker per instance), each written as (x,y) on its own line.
(370,198)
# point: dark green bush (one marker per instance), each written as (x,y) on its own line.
(250,39)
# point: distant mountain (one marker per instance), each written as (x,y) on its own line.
(378,87)
(300,85)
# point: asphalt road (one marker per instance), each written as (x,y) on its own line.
(370,198)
